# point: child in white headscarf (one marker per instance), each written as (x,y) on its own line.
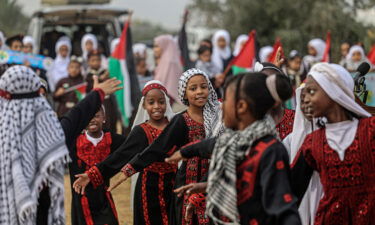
(264,53)
(90,43)
(341,152)
(240,42)
(28,44)
(316,49)
(221,53)
(354,58)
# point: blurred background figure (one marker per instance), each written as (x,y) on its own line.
(28,44)
(315,49)
(240,42)
(221,53)
(344,50)
(265,53)
(354,58)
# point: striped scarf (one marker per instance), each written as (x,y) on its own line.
(230,149)
(32,151)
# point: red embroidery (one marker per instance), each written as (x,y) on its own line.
(128,170)
(163,206)
(247,171)
(101,93)
(113,207)
(253,222)
(86,210)
(95,176)
(144,198)
(90,154)
(153,86)
(285,127)
(287,198)
(280,165)
(198,200)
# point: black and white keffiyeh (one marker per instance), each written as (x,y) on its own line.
(211,111)
(230,149)
(32,151)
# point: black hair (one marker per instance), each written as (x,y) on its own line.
(207,41)
(94,53)
(253,89)
(203,48)
(269,69)
(9,41)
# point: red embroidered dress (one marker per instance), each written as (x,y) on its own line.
(285,127)
(181,131)
(349,185)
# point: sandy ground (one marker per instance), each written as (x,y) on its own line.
(121,196)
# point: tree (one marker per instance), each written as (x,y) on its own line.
(12,20)
(294,21)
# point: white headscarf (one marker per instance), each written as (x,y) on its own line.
(264,53)
(28,40)
(218,54)
(319,45)
(86,38)
(353,49)
(60,65)
(238,46)
(2,40)
(212,112)
(139,49)
(32,153)
(114,44)
(142,115)
(349,63)
(339,86)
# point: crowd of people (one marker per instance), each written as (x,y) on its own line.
(285,143)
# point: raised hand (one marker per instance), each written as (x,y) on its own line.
(80,184)
(109,86)
(279,60)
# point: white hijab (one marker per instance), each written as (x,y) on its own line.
(238,46)
(339,86)
(319,45)
(60,66)
(28,40)
(114,44)
(86,38)
(218,54)
(140,49)
(2,40)
(264,52)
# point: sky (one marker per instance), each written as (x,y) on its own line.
(167,13)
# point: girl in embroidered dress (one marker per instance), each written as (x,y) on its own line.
(201,119)
(341,152)
(153,190)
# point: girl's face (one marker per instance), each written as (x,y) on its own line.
(295,64)
(155,104)
(306,112)
(157,51)
(63,51)
(205,56)
(95,61)
(197,91)
(356,57)
(316,101)
(89,46)
(74,69)
(16,46)
(311,50)
(221,42)
(229,108)
(96,124)
(28,48)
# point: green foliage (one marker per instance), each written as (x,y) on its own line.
(12,20)
(294,21)
(144,31)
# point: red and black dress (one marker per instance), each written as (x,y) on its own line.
(181,131)
(285,127)
(152,196)
(349,184)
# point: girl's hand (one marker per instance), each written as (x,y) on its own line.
(122,179)
(190,208)
(193,188)
(175,158)
(59,92)
(80,184)
(109,86)
(279,60)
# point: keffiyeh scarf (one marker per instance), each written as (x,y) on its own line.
(211,111)
(32,151)
(230,149)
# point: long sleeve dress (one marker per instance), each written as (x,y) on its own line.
(181,131)
(264,194)
(96,206)
(348,184)
(152,196)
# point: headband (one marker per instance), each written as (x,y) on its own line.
(9,96)
(153,86)
(271,86)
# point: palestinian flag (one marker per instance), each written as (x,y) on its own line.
(121,66)
(276,46)
(327,50)
(79,90)
(246,59)
(183,45)
(371,55)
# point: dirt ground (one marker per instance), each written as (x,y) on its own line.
(121,196)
